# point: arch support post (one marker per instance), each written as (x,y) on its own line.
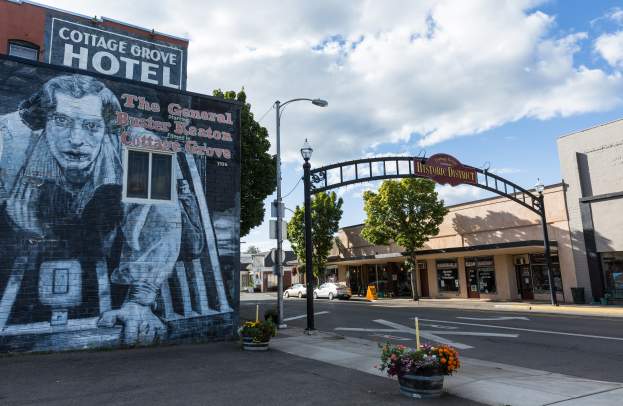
(309,275)
(548,254)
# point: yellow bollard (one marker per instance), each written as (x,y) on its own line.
(371,294)
(417,334)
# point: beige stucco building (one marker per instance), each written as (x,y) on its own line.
(591,163)
(490,248)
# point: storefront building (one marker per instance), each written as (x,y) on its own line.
(490,249)
(591,163)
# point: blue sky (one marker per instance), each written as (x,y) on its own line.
(484,80)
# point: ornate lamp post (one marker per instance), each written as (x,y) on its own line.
(278,267)
(539,187)
(306,153)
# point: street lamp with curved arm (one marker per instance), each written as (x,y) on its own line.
(278,255)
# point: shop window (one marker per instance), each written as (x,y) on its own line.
(23,49)
(447,275)
(540,277)
(612,265)
(482,274)
(148,177)
(331,274)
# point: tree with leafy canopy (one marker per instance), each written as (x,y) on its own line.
(252,250)
(407,212)
(326,211)
(258,178)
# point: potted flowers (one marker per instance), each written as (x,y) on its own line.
(420,371)
(255,335)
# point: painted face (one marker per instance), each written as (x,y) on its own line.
(74,131)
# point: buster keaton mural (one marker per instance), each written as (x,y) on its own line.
(83,265)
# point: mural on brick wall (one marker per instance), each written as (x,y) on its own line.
(85,260)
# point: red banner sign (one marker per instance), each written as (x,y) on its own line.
(444,169)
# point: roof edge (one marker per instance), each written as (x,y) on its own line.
(551,186)
(101,18)
(590,128)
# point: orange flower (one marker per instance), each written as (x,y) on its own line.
(443,361)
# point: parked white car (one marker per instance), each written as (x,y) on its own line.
(298,289)
(332,290)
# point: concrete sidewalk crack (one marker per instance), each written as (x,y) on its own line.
(583,396)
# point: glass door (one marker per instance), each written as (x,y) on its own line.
(471,273)
(524,282)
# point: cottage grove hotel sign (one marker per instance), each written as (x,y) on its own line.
(445,169)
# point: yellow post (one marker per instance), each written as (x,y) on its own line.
(257,312)
(417,334)
(371,294)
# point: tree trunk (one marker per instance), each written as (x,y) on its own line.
(414,282)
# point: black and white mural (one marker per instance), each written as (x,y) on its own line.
(119,211)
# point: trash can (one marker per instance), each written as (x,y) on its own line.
(578,295)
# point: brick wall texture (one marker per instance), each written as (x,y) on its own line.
(82,265)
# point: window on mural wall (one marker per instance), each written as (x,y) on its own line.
(24,50)
(148,176)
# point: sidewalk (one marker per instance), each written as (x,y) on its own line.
(480,304)
(200,374)
(482,381)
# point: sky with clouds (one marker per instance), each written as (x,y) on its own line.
(491,82)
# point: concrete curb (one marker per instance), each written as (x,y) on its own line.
(577,310)
(481,381)
(471,304)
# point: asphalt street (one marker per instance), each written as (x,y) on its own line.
(587,347)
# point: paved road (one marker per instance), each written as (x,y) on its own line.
(587,347)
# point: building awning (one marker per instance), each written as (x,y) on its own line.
(514,247)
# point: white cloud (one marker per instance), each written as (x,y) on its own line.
(393,72)
(610,47)
(615,15)
(504,171)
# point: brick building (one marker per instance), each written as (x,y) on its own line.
(36,32)
(119,190)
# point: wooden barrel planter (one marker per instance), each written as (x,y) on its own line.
(420,386)
(249,345)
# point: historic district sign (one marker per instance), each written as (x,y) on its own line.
(445,169)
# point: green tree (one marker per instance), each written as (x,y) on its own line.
(326,210)
(252,250)
(407,212)
(258,174)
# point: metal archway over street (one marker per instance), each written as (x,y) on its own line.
(440,168)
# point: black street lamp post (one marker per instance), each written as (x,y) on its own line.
(279,253)
(306,152)
(548,256)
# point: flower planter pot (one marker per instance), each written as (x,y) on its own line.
(420,386)
(249,345)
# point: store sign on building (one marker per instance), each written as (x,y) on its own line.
(444,169)
(111,53)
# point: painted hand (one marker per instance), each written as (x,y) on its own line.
(140,325)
